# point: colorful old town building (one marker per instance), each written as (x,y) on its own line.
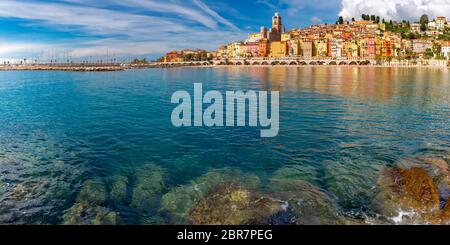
(278,49)
(264,48)
(374,40)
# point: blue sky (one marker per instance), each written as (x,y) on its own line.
(92,28)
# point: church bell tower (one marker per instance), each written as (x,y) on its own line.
(276,23)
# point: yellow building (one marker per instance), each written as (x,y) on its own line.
(286,37)
(320,48)
(351,49)
(379,43)
(363,47)
(278,49)
(222,52)
(237,50)
(362,23)
(254,37)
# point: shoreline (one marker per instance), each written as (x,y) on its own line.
(377,66)
(123,68)
(306,66)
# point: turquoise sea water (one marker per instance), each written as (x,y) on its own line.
(339,126)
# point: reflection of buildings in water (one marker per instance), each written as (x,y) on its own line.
(378,84)
(386,85)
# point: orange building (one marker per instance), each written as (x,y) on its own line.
(171,56)
(278,49)
(388,49)
(264,48)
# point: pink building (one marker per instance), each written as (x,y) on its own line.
(253,49)
(371,47)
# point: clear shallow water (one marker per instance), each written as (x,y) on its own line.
(340,125)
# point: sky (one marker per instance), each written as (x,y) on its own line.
(89,29)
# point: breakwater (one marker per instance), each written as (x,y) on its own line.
(79,68)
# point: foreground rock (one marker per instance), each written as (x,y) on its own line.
(351,178)
(92,192)
(82,214)
(305,172)
(436,167)
(89,210)
(230,204)
(179,202)
(119,190)
(305,204)
(150,184)
(408,196)
(445,216)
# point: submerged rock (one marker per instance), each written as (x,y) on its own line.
(188,167)
(152,220)
(92,192)
(181,200)
(297,172)
(89,207)
(82,214)
(118,193)
(352,180)
(231,204)
(305,204)
(407,196)
(149,186)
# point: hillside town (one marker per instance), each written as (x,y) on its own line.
(372,38)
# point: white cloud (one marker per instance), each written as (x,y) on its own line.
(316,20)
(395,9)
(7,48)
(214,14)
(126,27)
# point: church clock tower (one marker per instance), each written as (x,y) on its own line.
(276,23)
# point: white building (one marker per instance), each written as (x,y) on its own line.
(336,47)
(420,46)
(415,28)
(446,51)
(440,22)
(432,25)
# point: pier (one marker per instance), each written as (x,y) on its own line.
(64,67)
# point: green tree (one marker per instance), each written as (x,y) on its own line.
(424,20)
(428,54)
(437,50)
(341,20)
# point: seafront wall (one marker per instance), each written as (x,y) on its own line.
(297,63)
(236,63)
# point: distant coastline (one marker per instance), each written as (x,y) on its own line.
(150,66)
(122,67)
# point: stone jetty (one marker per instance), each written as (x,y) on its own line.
(75,68)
